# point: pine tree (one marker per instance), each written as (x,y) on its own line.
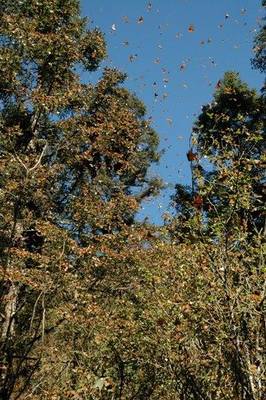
(221,218)
(227,160)
(221,221)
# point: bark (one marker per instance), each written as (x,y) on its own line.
(7,334)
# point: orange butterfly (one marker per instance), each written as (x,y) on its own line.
(198,201)
(191,156)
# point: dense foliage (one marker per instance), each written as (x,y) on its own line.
(95,305)
(223,211)
(259,60)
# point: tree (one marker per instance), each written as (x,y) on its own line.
(259,60)
(227,164)
(74,159)
(220,218)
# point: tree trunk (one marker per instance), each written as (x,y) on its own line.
(7,334)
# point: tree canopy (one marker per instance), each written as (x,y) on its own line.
(94,303)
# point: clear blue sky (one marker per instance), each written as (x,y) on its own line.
(154,46)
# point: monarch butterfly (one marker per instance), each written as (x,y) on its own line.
(198,201)
(191,156)
(218,84)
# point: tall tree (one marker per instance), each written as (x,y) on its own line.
(221,217)
(227,156)
(74,161)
